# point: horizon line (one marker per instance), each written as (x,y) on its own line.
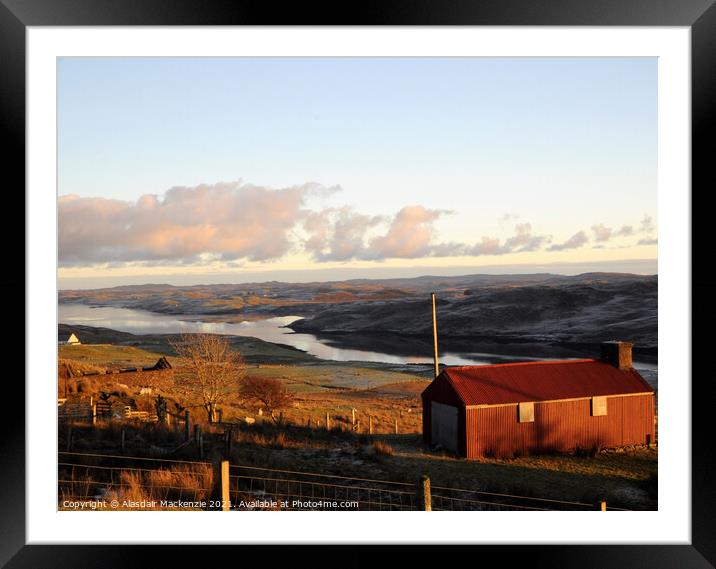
(643,267)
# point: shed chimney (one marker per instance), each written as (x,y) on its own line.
(617,354)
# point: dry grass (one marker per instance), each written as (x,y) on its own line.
(625,477)
(383,448)
(75,368)
(143,490)
(385,395)
(141,439)
(397,402)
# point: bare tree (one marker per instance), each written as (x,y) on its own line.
(212,371)
(271,393)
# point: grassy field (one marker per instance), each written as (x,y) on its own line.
(109,355)
(253,349)
(625,478)
(381,395)
(329,376)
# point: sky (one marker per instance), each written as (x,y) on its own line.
(187,170)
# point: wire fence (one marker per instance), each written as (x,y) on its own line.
(160,483)
(120,482)
(253,487)
(452,499)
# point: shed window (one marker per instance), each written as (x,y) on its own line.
(526,412)
(599,406)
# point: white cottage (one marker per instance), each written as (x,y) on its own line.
(69,339)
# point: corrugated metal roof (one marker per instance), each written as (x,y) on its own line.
(542,381)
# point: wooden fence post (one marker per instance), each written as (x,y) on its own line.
(225,494)
(328,421)
(228,439)
(423,494)
(221,415)
(94,413)
(353,416)
(396,426)
(186,426)
(603,506)
(370,424)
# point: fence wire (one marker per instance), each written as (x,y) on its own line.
(259,488)
(92,476)
(81,479)
(444,498)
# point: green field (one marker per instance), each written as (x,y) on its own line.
(109,355)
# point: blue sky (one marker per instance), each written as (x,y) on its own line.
(564,145)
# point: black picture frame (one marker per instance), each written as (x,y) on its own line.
(699,15)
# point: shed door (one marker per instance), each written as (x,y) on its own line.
(443,419)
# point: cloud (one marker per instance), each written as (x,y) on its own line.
(337,234)
(340,235)
(508,217)
(648,241)
(601,232)
(524,240)
(488,246)
(647,228)
(647,225)
(574,242)
(233,223)
(227,221)
(409,235)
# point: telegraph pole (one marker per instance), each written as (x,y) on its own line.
(435,336)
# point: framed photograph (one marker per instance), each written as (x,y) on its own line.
(395,279)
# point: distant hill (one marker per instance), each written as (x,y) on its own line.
(542,307)
(585,309)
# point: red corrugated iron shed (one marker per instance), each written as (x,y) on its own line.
(510,409)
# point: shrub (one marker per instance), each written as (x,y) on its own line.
(279,441)
(588,452)
(581,452)
(521,453)
(383,448)
(269,392)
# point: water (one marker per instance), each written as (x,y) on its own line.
(271,330)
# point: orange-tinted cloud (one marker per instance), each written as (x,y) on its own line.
(225,220)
